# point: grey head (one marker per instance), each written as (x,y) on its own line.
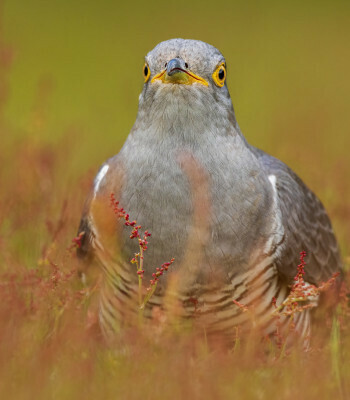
(185,79)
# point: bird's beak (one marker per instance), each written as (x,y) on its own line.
(177,72)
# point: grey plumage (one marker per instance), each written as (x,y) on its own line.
(257,216)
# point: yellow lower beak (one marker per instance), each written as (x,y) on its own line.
(180,77)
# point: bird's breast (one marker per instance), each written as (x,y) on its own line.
(203,208)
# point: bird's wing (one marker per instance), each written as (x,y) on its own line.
(306,225)
(84,250)
(86,229)
(96,224)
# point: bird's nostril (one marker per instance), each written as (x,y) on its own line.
(186,65)
(165,64)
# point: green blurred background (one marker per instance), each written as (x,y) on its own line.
(70,76)
(77,72)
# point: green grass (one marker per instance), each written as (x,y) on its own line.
(73,86)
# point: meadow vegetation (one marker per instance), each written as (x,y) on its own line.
(51,346)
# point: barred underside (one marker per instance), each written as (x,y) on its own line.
(212,310)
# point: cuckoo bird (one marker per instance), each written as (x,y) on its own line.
(233,217)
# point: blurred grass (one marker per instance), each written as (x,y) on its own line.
(70,76)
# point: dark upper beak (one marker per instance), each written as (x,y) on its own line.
(177,72)
(175,65)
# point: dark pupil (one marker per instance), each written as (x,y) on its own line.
(145,71)
(221,74)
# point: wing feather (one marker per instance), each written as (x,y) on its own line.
(306,224)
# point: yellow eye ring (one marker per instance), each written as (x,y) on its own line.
(219,75)
(146,72)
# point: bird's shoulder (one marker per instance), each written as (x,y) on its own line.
(306,225)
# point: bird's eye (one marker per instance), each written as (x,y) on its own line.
(219,75)
(146,72)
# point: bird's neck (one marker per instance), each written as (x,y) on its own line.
(186,117)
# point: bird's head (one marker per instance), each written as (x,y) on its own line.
(185,78)
(185,62)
